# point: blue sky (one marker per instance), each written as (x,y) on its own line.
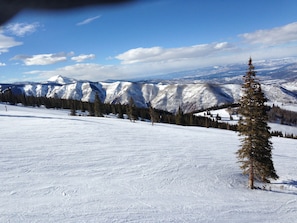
(145,38)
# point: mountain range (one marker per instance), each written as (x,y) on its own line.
(190,90)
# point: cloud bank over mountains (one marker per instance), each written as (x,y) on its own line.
(271,37)
(143,61)
(154,54)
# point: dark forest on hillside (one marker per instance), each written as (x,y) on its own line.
(98,109)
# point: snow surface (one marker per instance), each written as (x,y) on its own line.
(59,168)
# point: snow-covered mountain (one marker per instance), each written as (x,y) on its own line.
(191,90)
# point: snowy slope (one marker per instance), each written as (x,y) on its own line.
(59,168)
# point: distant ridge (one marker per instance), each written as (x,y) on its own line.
(61,80)
(190,90)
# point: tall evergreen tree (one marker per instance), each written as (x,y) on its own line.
(91,109)
(152,113)
(255,152)
(131,110)
(72,109)
(179,117)
(120,111)
(97,106)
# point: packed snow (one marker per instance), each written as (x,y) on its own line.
(60,168)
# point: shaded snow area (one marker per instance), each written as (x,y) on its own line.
(59,168)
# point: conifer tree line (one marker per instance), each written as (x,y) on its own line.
(98,109)
(255,154)
(275,114)
(285,117)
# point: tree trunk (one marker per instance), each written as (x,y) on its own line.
(251,175)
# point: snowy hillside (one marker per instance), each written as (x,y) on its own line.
(60,168)
(190,96)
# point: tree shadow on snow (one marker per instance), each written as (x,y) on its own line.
(291,183)
(286,187)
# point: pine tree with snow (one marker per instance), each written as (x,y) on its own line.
(255,153)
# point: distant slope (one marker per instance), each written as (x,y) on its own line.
(169,96)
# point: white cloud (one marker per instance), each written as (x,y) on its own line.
(278,35)
(81,71)
(22,29)
(97,72)
(41,59)
(83,57)
(88,20)
(2,64)
(154,54)
(168,60)
(143,62)
(70,54)
(7,42)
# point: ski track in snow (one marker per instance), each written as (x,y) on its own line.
(59,168)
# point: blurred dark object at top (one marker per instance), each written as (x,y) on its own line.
(9,8)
